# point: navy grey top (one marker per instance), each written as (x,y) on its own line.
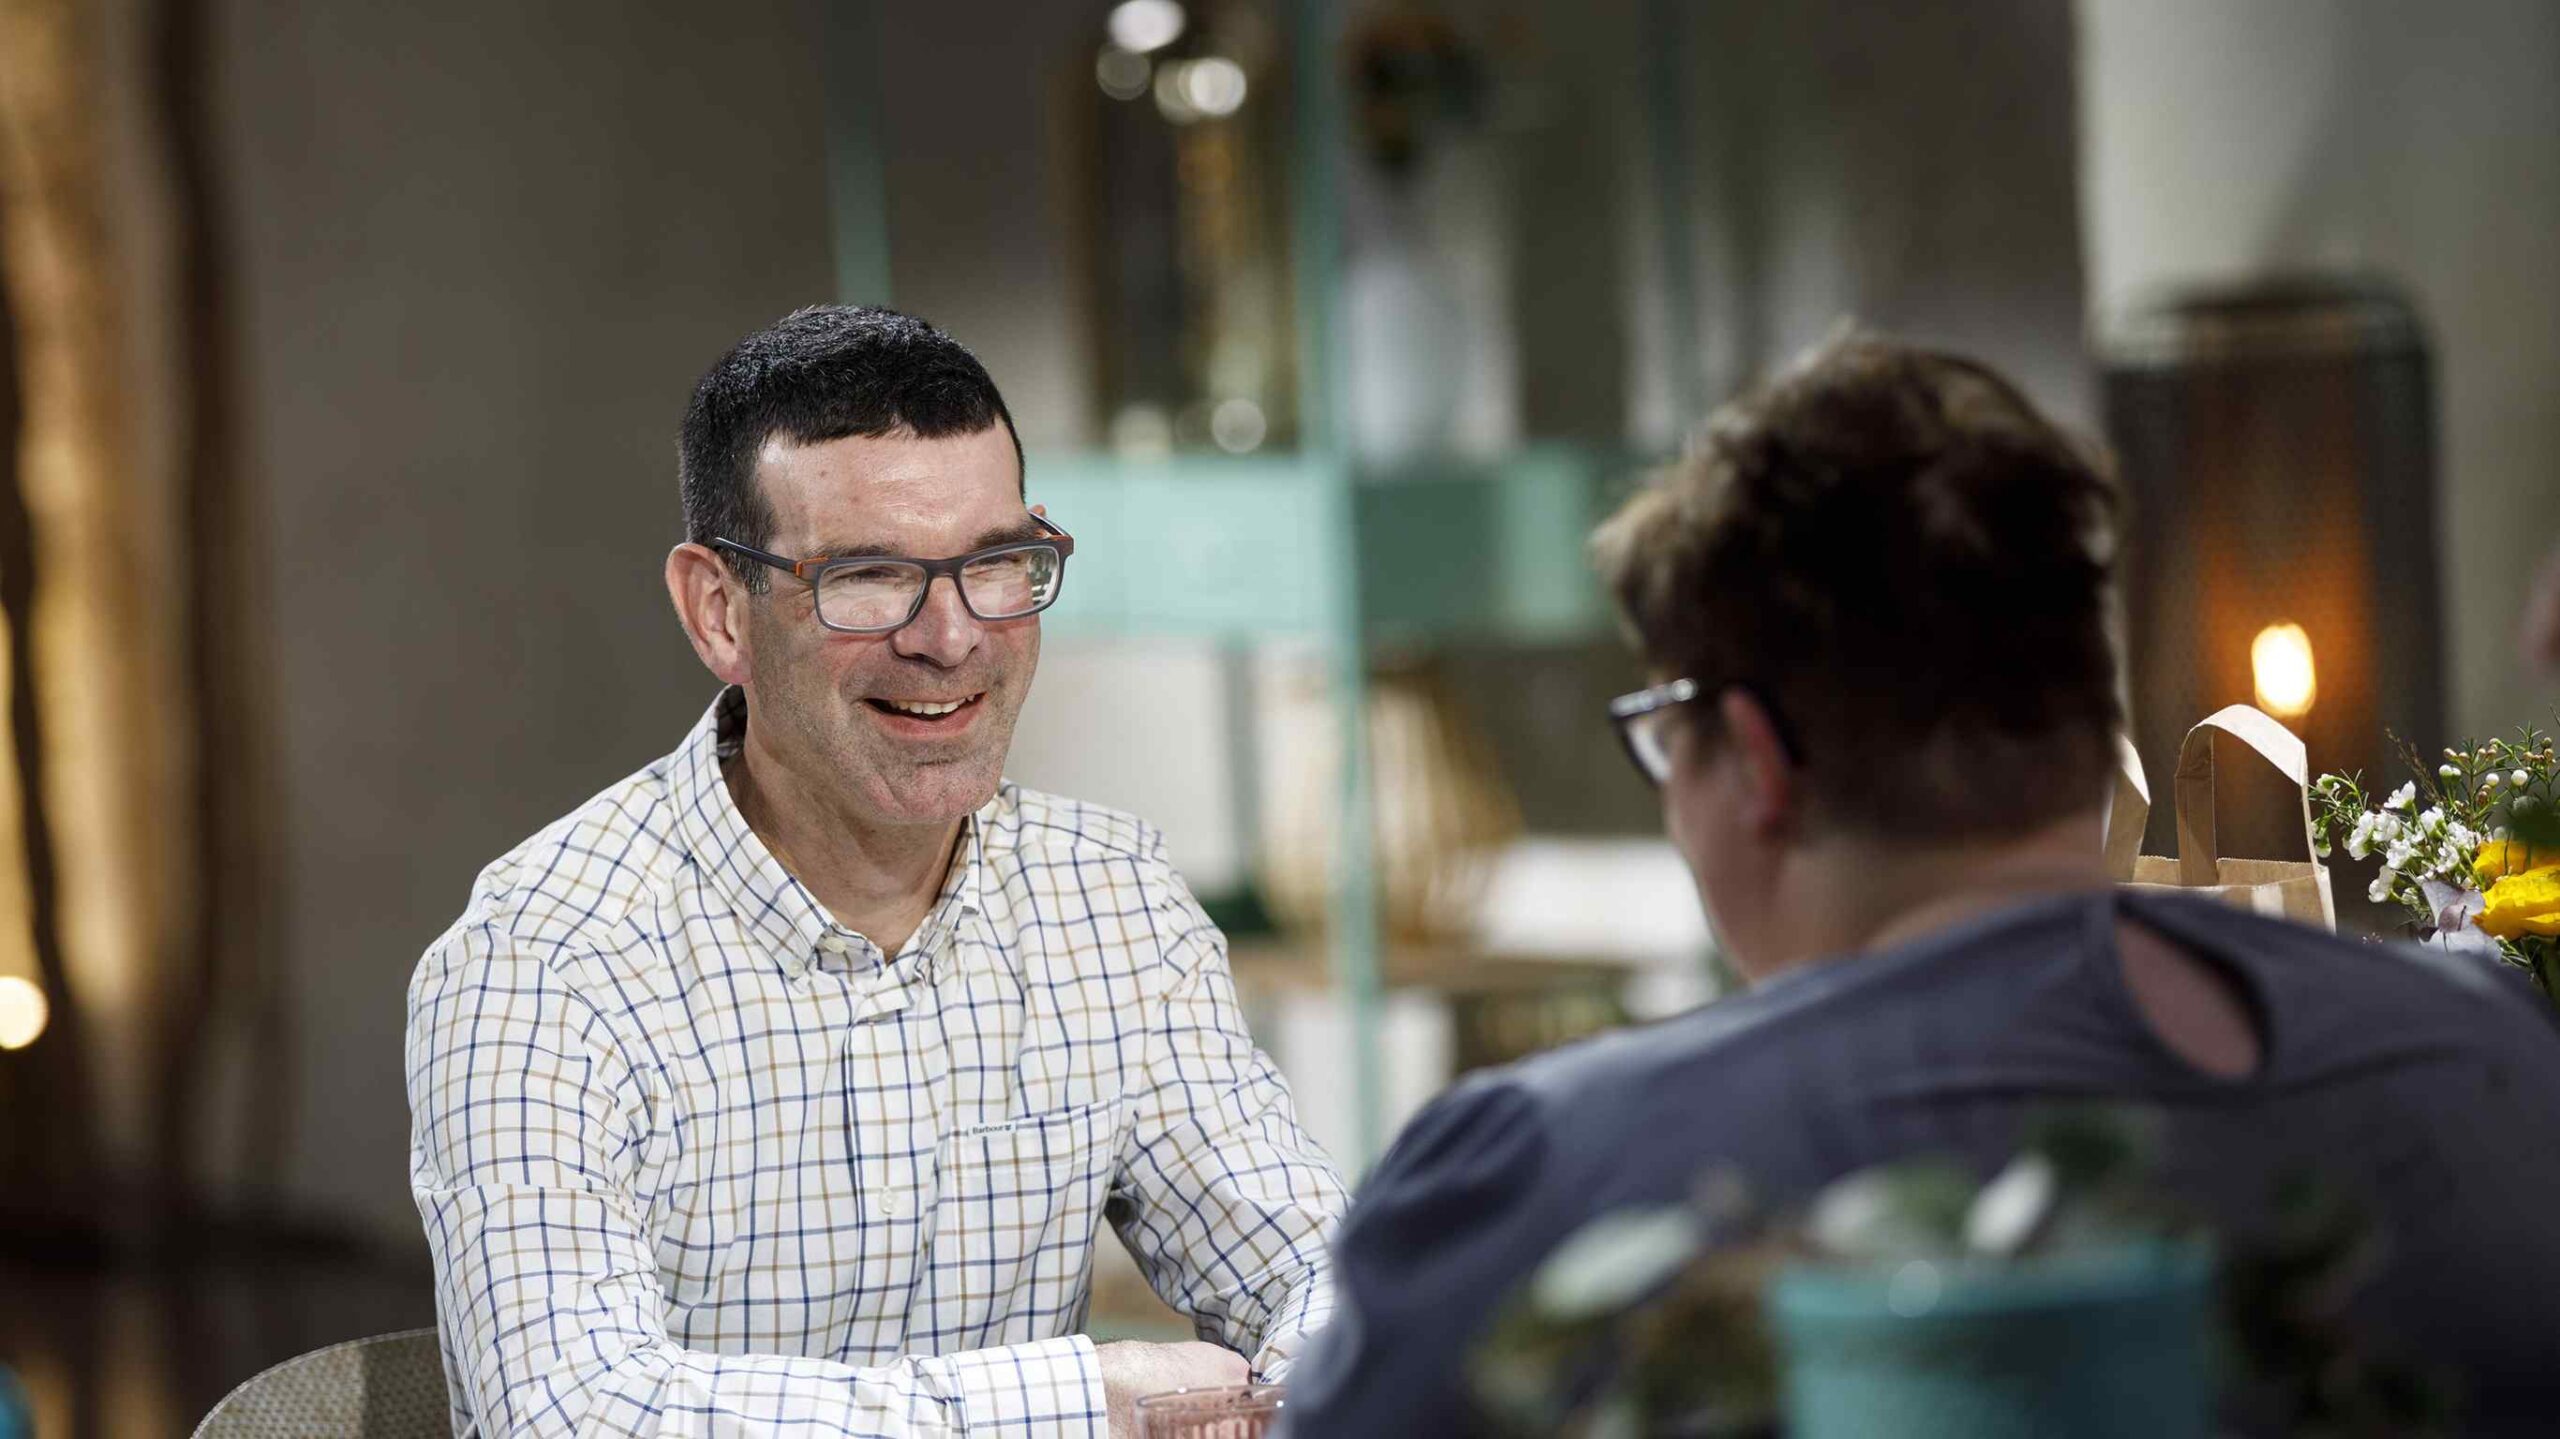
(2426,1083)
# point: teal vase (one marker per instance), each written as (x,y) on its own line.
(2116,1342)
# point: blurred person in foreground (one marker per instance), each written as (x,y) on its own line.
(783,1086)
(1876,601)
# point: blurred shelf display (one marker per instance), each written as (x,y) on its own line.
(1181,153)
(1355,309)
(1441,1011)
(1442,808)
(1576,936)
(1499,1007)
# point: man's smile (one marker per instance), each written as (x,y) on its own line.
(939,715)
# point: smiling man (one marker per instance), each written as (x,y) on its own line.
(787,1083)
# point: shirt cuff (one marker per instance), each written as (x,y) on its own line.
(1284,1330)
(1049,1388)
(1277,1358)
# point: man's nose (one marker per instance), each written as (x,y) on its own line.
(943,631)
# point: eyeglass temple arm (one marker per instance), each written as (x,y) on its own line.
(1066,542)
(751,552)
(763,557)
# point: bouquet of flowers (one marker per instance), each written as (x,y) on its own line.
(2470,847)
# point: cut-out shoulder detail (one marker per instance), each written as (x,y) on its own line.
(2197,1009)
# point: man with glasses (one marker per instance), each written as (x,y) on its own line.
(1876,603)
(785,1085)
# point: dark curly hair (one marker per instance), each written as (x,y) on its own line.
(1911,568)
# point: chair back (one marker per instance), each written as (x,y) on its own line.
(388,1387)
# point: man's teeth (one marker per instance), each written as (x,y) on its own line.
(923,708)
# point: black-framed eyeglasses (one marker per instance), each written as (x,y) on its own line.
(875,594)
(1643,723)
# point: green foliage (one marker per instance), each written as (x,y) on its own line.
(1650,1323)
(2286,1300)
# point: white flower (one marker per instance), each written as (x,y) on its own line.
(2402,797)
(2360,839)
(2430,817)
(2492,781)
(2518,777)
(2381,890)
(2446,771)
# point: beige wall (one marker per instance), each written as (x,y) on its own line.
(2423,141)
(485,248)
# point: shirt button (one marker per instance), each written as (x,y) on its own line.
(889,1201)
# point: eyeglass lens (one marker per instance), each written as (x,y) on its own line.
(881,594)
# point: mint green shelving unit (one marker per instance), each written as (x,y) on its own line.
(1305,545)
(1249,548)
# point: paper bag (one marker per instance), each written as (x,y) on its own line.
(2296,889)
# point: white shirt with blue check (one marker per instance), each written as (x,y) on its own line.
(695,1159)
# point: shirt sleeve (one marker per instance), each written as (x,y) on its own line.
(1226,1203)
(528,1119)
(1443,1230)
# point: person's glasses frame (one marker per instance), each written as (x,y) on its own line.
(1641,723)
(814,570)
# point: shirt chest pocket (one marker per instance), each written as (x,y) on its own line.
(1016,1210)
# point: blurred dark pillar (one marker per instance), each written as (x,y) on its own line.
(222,979)
(48,1133)
(2278,446)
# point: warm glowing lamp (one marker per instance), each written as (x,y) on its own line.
(22,1012)
(2280,658)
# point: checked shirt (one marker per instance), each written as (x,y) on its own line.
(695,1159)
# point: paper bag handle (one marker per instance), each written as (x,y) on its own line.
(2198,848)
(2128,811)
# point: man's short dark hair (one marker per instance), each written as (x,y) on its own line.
(1912,568)
(822,373)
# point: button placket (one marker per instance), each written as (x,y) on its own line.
(889,1132)
(879,993)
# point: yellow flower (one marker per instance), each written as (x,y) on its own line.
(2502,857)
(2522,904)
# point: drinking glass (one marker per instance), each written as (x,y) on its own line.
(1246,1411)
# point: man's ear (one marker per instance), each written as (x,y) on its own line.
(712,609)
(1765,777)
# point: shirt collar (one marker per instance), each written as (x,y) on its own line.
(781,917)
